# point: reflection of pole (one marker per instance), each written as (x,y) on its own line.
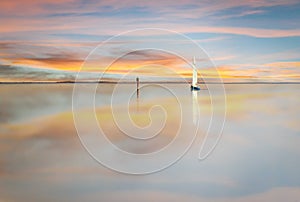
(137,104)
(195,107)
(137,93)
(137,86)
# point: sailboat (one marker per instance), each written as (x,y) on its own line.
(195,77)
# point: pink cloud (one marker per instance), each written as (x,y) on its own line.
(21,16)
(255,32)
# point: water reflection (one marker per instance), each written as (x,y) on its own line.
(41,158)
(195,107)
(137,96)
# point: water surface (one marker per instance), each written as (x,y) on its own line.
(257,159)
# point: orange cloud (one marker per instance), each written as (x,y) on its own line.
(55,63)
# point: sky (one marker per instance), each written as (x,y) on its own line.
(255,40)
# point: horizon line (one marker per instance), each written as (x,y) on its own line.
(133,82)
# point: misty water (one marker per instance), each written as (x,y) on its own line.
(256,159)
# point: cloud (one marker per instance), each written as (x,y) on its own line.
(142,57)
(84,26)
(269,72)
(60,34)
(110,16)
(146,63)
(43,55)
(254,32)
(284,55)
(62,61)
(275,195)
(23,73)
(242,14)
(167,7)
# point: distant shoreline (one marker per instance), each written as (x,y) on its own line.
(146,82)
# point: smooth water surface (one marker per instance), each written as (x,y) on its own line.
(257,158)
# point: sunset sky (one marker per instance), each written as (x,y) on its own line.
(237,142)
(254,40)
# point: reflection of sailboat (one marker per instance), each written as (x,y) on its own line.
(195,107)
(195,77)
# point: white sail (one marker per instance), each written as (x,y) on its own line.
(195,78)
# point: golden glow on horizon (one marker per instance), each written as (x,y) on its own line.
(278,70)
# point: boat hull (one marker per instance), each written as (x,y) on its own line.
(195,88)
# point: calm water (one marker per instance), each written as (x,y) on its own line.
(257,158)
